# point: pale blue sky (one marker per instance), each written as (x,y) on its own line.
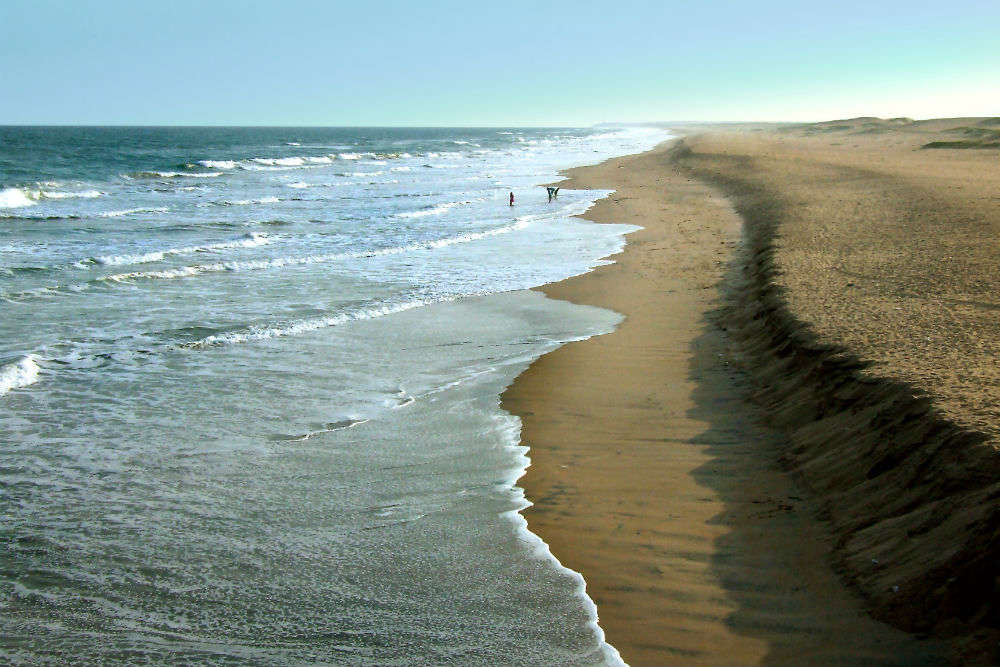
(304,62)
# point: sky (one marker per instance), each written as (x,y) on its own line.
(380,63)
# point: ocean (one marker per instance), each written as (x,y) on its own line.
(249,393)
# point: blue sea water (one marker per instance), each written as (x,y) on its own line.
(249,384)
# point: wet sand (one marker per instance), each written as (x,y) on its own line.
(655,478)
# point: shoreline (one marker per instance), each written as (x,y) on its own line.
(649,473)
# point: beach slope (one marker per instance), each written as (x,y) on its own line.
(655,478)
(865,312)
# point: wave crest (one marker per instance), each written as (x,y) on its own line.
(279,262)
(20,373)
(251,240)
(20,197)
(254,334)
(133,211)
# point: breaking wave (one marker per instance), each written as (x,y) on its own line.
(289,162)
(171,174)
(18,197)
(253,334)
(247,202)
(251,240)
(20,373)
(15,198)
(279,262)
(434,210)
(133,211)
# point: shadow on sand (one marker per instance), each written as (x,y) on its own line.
(774,561)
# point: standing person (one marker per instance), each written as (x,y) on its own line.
(511,198)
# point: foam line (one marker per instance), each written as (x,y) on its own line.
(278,262)
(251,240)
(256,334)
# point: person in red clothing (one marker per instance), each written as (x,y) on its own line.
(511,198)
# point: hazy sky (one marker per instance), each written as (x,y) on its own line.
(326,62)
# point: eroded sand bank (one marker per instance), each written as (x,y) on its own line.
(654,477)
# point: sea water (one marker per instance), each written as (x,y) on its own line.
(249,393)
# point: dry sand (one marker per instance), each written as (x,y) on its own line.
(716,531)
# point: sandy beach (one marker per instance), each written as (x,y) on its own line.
(785,454)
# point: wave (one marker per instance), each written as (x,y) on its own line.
(289,162)
(86,194)
(20,373)
(7,216)
(20,197)
(434,210)
(133,211)
(250,240)
(301,185)
(171,174)
(218,164)
(280,262)
(15,198)
(318,429)
(254,334)
(247,202)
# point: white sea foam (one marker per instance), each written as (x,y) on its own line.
(245,202)
(436,210)
(280,162)
(360,174)
(511,427)
(541,550)
(56,194)
(218,164)
(291,162)
(171,174)
(19,197)
(253,334)
(280,262)
(20,373)
(15,198)
(251,240)
(133,211)
(269,163)
(301,185)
